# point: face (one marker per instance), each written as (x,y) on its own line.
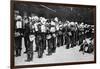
(25,14)
(16,14)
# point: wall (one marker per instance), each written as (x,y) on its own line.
(5,34)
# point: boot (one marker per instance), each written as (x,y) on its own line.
(28,58)
(19,52)
(16,53)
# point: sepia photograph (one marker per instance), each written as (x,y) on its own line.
(49,34)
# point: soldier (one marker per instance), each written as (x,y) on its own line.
(89,32)
(36,23)
(18,33)
(57,34)
(60,35)
(49,40)
(43,31)
(57,30)
(26,27)
(40,42)
(73,31)
(53,38)
(65,33)
(76,33)
(31,40)
(68,36)
(38,34)
(30,47)
(81,33)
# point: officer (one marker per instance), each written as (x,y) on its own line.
(18,33)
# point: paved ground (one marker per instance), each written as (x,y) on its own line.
(62,55)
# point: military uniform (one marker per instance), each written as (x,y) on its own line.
(18,35)
(81,34)
(53,38)
(26,36)
(26,31)
(39,41)
(36,35)
(65,37)
(49,42)
(30,43)
(43,33)
(68,36)
(40,45)
(73,31)
(30,48)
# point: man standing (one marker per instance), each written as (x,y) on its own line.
(68,36)
(43,31)
(40,42)
(60,36)
(18,33)
(36,24)
(49,41)
(81,33)
(30,43)
(26,31)
(73,31)
(53,38)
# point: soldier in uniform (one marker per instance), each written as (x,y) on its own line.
(49,40)
(68,36)
(76,33)
(57,34)
(43,31)
(36,24)
(53,38)
(73,31)
(40,42)
(39,37)
(26,31)
(89,32)
(60,36)
(65,33)
(81,33)
(30,43)
(18,33)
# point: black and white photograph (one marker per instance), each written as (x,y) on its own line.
(51,33)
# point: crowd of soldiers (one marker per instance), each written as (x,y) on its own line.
(48,34)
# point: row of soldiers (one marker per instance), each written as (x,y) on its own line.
(47,34)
